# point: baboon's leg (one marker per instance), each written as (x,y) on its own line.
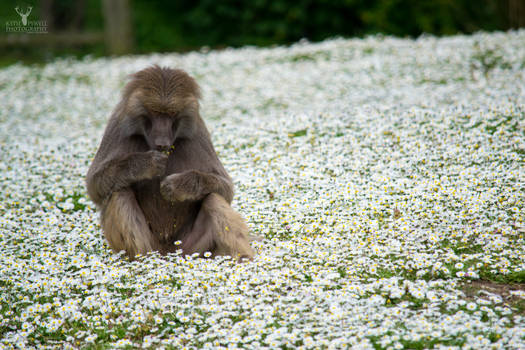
(218,229)
(125,226)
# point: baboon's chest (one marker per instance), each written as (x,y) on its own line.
(169,221)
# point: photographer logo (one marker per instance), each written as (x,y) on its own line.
(24,25)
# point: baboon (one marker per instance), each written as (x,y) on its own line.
(156,177)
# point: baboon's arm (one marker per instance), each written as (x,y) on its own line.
(197,171)
(122,171)
(195,185)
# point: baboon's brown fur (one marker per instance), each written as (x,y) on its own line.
(156,177)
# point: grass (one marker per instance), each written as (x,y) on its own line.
(383,173)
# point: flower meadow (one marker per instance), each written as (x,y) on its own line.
(386,176)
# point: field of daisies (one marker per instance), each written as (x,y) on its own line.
(386,175)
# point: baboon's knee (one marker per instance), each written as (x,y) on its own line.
(231,232)
(125,226)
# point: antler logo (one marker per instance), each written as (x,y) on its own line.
(24,15)
(24,25)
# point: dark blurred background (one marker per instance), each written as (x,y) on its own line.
(116,27)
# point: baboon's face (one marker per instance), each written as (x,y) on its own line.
(160,124)
(159,131)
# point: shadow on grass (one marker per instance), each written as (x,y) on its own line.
(473,289)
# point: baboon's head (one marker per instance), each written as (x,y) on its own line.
(161,105)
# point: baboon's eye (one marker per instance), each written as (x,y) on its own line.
(147,123)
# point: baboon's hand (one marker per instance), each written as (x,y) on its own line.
(151,164)
(180,187)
